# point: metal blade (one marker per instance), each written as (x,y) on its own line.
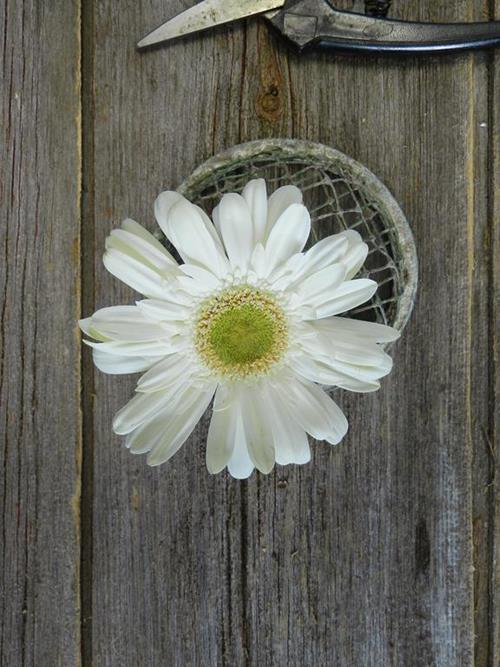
(206,15)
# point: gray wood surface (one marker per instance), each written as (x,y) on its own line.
(494,237)
(382,551)
(40,429)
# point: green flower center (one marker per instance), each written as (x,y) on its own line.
(241,332)
(242,335)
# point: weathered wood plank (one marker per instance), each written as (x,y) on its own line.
(480,366)
(167,544)
(378,533)
(365,556)
(495,356)
(39,374)
(482,370)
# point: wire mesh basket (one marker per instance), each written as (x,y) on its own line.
(340,194)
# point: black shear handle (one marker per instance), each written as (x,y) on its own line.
(317,23)
(386,36)
(419,38)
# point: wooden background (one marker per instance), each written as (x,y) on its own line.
(382,551)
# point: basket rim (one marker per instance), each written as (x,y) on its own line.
(327,157)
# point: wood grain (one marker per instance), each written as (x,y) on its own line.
(39,301)
(383,551)
(365,556)
(494,119)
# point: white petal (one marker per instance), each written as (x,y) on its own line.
(163,205)
(240,465)
(236,227)
(135,274)
(144,437)
(138,230)
(258,429)
(367,361)
(350,294)
(258,260)
(138,349)
(357,329)
(288,236)
(330,356)
(255,194)
(363,373)
(291,443)
(315,411)
(319,287)
(281,277)
(117,365)
(210,227)
(329,375)
(164,311)
(324,253)
(143,407)
(165,373)
(189,231)
(125,323)
(86,326)
(142,250)
(327,344)
(216,219)
(134,228)
(279,201)
(201,275)
(365,357)
(222,431)
(356,253)
(347,247)
(180,426)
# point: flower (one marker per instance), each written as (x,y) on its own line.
(248,318)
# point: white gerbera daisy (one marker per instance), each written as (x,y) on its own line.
(248,318)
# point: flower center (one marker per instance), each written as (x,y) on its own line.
(241,332)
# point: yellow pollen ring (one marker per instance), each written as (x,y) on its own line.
(241,332)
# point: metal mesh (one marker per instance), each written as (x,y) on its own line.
(340,194)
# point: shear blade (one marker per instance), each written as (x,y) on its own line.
(206,15)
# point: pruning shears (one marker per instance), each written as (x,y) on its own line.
(318,24)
